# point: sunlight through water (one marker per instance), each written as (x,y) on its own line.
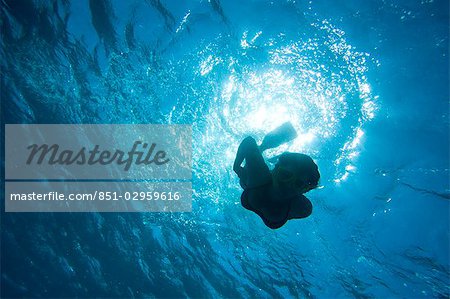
(319,83)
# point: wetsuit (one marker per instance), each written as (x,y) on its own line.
(255,176)
(269,223)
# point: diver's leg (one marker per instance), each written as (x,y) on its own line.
(255,173)
(279,136)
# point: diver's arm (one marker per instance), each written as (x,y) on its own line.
(256,172)
(238,169)
(240,156)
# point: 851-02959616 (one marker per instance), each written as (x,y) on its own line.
(139,195)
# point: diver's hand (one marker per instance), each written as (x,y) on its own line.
(239,171)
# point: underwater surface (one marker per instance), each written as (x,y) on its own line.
(365,84)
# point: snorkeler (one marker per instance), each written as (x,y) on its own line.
(277,195)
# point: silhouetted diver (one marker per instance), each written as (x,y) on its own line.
(277,195)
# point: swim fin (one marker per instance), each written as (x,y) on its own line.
(279,136)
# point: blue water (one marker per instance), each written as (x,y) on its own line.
(365,83)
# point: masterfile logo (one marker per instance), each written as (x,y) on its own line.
(53,155)
(98,168)
(89,151)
